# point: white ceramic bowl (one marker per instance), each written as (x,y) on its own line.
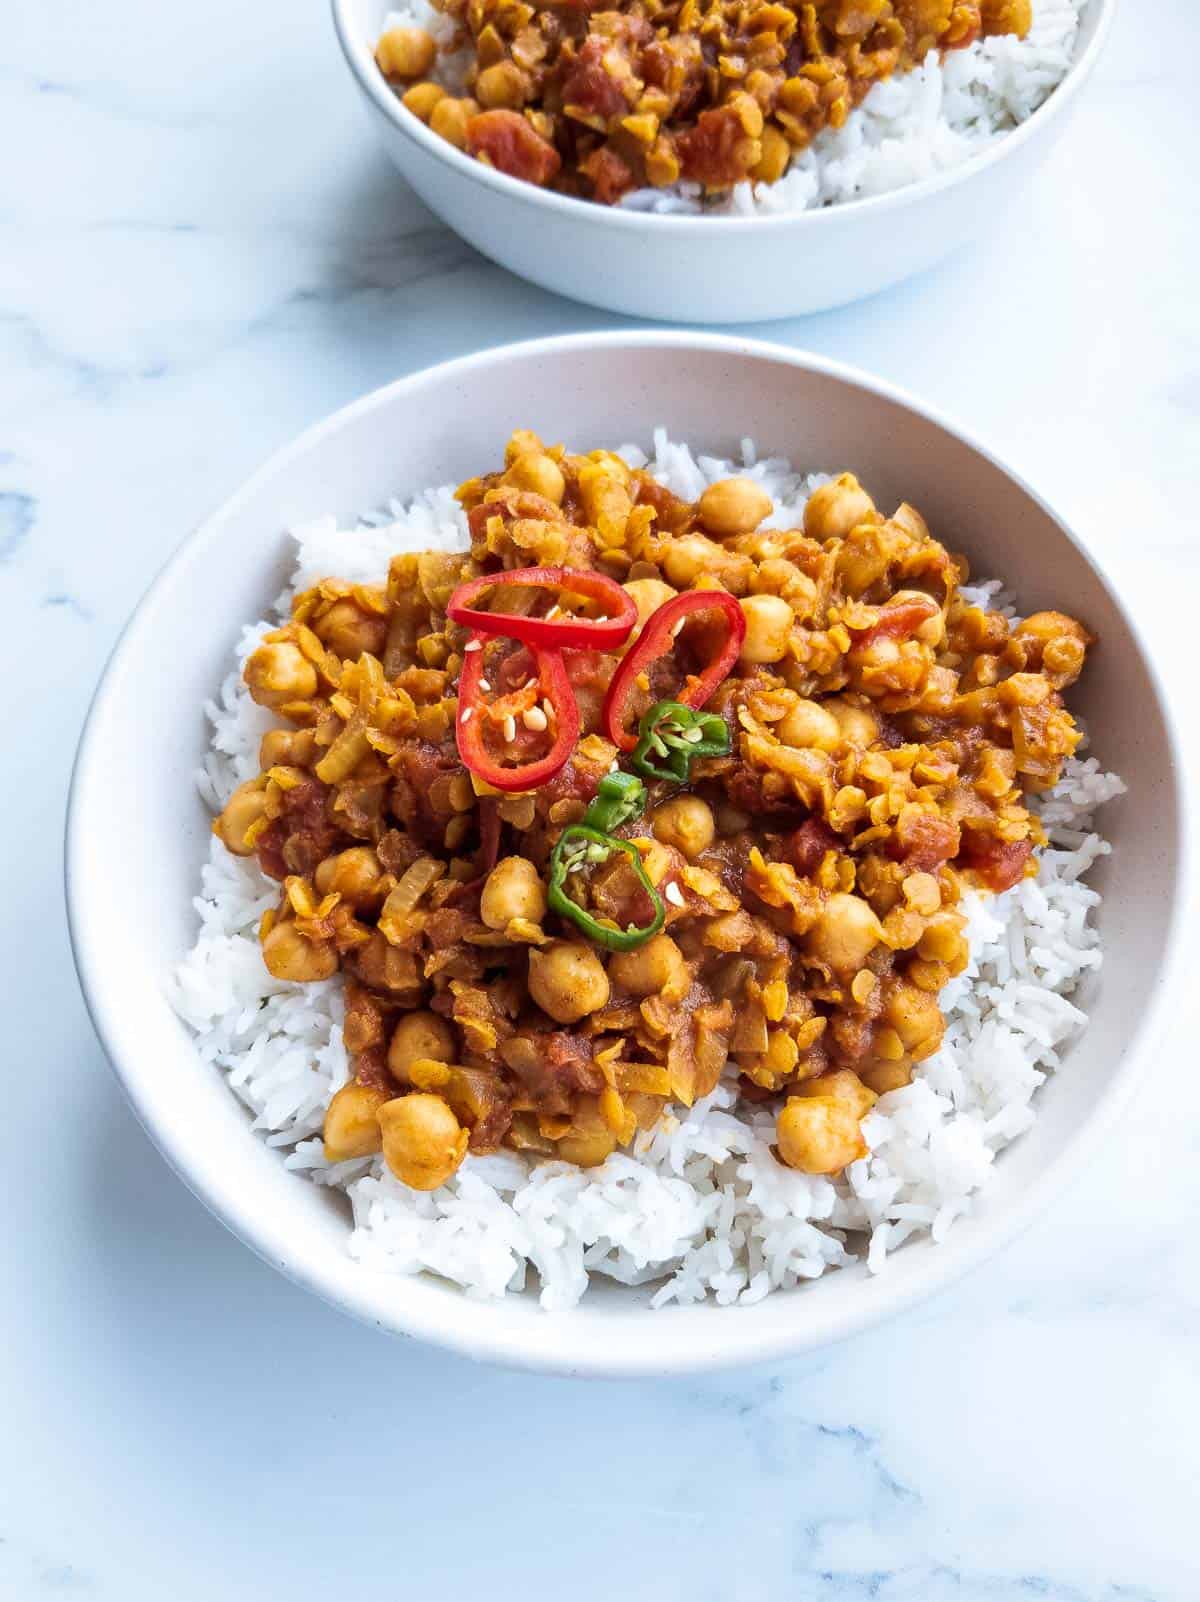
(708,269)
(137,832)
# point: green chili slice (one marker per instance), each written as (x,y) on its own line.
(619,798)
(579,847)
(674,734)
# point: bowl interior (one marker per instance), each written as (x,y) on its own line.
(138,832)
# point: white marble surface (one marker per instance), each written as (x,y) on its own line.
(201,252)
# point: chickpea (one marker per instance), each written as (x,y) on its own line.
(423,1142)
(352,1123)
(449,119)
(769,622)
(809,726)
(348,631)
(842,1084)
(293,748)
(422,98)
(917,1018)
(419,1036)
(539,473)
(834,509)
(776,155)
(502,86)
(354,875)
(405,53)
(243,809)
(279,673)
(648,595)
(686,558)
(685,822)
(943,941)
(650,969)
(513,890)
(567,980)
(290,955)
(881,1077)
(1055,644)
(733,506)
(845,934)
(732,820)
(586,1151)
(819,1134)
(858,725)
(1046,626)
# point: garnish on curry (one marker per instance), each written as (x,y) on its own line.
(637,793)
(597,102)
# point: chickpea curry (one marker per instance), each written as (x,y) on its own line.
(636,794)
(597,103)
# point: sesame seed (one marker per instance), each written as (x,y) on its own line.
(473,645)
(466,714)
(510,729)
(484,685)
(675,632)
(674,894)
(534,718)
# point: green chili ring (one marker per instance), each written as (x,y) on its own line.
(676,733)
(578,845)
(619,799)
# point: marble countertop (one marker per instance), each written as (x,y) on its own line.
(201,252)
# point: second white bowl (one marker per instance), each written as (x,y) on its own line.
(708,269)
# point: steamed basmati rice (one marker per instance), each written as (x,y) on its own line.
(700,1206)
(911,126)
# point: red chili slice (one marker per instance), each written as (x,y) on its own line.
(657,640)
(550,633)
(474,712)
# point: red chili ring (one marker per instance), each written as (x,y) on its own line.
(602,633)
(656,640)
(556,689)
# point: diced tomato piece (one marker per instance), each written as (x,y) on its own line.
(512,146)
(717,152)
(924,841)
(671,512)
(589,88)
(611,176)
(999,863)
(901,621)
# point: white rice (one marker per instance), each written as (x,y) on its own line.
(909,127)
(701,1205)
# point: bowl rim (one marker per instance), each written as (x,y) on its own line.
(739,1343)
(361,61)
